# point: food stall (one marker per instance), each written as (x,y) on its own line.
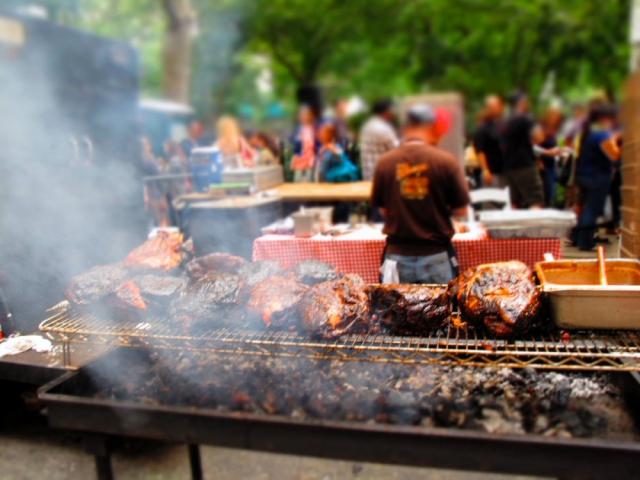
(305,360)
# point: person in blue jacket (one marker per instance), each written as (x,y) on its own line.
(599,150)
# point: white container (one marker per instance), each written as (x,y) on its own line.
(260,178)
(545,223)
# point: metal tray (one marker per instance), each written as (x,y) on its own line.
(578,301)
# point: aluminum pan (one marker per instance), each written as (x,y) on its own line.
(578,302)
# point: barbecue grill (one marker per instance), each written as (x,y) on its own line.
(73,402)
(584,350)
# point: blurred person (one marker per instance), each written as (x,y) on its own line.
(487,142)
(573,126)
(333,164)
(234,148)
(171,153)
(340,120)
(305,146)
(548,151)
(419,188)
(377,136)
(520,166)
(599,151)
(265,148)
(155,200)
(195,138)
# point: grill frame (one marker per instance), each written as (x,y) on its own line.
(378,443)
(586,351)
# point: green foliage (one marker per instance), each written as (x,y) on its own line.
(379,47)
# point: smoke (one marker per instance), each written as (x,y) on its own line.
(70,193)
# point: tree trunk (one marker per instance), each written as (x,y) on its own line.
(181,22)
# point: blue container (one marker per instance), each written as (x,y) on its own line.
(206,167)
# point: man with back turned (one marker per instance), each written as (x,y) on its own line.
(419,188)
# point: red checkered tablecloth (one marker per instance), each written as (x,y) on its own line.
(363,256)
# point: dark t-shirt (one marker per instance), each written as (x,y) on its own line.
(488,141)
(518,149)
(419,185)
(593,160)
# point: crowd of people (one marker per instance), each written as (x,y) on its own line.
(549,161)
(552,161)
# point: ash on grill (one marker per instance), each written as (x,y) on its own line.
(487,399)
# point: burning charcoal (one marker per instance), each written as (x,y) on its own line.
(332,309)
(312,272)
(96,284)
(410,309)
(215,263)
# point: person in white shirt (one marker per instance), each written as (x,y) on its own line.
(377,137)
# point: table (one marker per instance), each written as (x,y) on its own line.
(361,252)
(323,192)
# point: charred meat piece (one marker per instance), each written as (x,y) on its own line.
(214,263)
(410,309)
(335,308)
(311,272)
(275,300)
(139,296)
(255,272)
(500,297)
(95,284)
(163,252)
(144,291)
(210,303)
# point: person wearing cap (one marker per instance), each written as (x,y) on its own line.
(520,165)
(377,136)
(418,188)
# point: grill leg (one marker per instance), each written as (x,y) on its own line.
(98,445)
(66,353)
(195,462)
(103,466)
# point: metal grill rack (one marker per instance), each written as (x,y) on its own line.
(586,350)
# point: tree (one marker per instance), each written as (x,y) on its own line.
(179,32)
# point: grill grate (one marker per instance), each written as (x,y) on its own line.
(585,350)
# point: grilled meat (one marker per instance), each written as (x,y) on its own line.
(95,284)
(215,263)
(209,303)
(145,291)
(163,252)
(311,272)
(335,308)
(500,297)
(409,309)
(255,272)
(275,300)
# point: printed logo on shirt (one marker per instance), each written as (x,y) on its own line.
(414,183)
